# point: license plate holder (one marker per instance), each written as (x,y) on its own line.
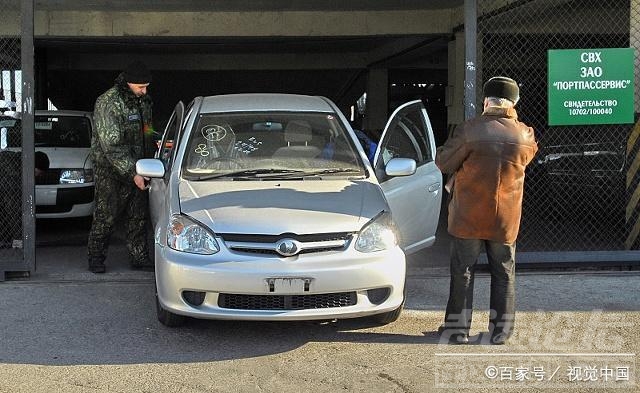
(288,285)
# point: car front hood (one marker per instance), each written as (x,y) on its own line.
(276,207)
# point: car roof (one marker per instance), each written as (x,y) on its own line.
(263,102)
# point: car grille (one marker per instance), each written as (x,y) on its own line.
(266,244)
(49,209)
(286,302)
(316,237)
(75,195)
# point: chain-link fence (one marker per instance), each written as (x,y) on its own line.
(11,237)
(576,194)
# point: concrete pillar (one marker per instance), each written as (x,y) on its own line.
(377,100)
(455,76)
(470,58)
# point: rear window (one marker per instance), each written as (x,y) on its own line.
(50,131)
(62,131)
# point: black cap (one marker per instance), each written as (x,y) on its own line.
(137,72)
(502,87)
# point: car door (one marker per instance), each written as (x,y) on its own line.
(166,153)
(415,199)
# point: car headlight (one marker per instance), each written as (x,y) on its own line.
(186,235)
(378,234)
(76,176)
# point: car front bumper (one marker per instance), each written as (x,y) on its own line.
(64,201)
(374,282)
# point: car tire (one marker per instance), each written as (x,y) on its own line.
(167,318)
(388,317)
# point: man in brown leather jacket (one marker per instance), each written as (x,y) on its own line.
(486,156)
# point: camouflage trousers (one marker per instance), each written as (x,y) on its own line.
(115,200)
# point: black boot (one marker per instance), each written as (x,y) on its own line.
(145,264)
(96,266)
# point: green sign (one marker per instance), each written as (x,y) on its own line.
(591,86)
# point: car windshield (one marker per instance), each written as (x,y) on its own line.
(50,131)
(261,145)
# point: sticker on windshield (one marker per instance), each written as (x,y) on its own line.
(201,149)
(249,146)
(214,132)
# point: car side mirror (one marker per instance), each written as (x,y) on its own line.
(400,167)
(150,167)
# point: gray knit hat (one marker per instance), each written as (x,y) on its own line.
(502,87)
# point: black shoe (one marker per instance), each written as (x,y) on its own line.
(144,268)
(145,265)
(453,338)
(458,338)
(97,268)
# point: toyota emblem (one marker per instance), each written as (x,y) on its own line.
(287,247)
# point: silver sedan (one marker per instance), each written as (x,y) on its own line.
(265,207)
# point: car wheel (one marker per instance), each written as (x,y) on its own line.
(388,317)
(168,318)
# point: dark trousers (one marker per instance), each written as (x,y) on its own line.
(464,254)
(115,199)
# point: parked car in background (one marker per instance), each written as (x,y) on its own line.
(578,177)
(585,164)
(66,188)
(266,207)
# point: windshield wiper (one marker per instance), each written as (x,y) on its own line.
(317,172)
(272,173)
(246,174)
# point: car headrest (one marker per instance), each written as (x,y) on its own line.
(297,131)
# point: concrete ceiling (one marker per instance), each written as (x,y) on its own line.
(304,46)
(246,34)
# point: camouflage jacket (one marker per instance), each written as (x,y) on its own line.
(123,131)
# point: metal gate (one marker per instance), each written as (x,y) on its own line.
(17,245)
(581,191)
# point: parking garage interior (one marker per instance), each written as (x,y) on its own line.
(394,51)
(183,70)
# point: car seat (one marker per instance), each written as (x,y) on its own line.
(297,134)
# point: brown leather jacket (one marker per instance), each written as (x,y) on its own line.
(488,156)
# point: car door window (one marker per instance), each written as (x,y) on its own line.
(414,200)
(168,144)
(406,137)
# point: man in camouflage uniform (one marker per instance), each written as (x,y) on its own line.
(122,117)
